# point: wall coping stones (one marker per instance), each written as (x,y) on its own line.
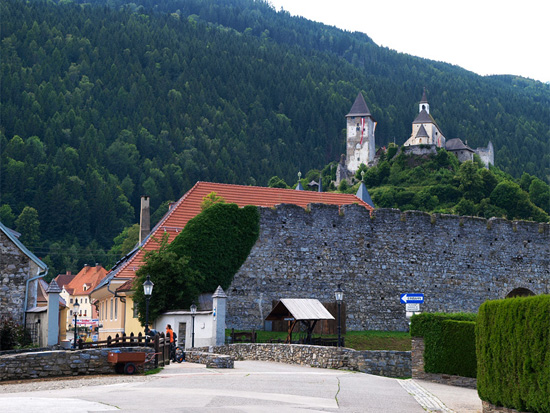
(211,360)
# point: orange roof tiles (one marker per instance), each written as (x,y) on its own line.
(85,281)
(188,206)
(64,279)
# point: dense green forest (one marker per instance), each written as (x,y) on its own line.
(104,101)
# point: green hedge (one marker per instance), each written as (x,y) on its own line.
(449,341)
(513,350)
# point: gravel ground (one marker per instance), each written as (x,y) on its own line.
(24,386)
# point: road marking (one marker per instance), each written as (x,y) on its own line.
(427,400)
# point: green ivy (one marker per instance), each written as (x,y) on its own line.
(218,241)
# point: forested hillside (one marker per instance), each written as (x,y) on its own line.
(105,101)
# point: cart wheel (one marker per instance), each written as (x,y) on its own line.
(119,368)
(130,368)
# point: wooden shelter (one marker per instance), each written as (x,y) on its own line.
(307,311)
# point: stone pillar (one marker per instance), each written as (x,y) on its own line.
(53,313)
(219,302)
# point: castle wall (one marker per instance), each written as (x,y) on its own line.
(457,262)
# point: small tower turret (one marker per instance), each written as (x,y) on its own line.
(424,105)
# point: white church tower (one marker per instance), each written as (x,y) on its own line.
(360,135)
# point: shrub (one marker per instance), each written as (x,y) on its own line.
(449,348)
(513,352)
(13,335)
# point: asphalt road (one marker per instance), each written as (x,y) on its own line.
(249,388)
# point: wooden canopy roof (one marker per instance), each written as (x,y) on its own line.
(299,309)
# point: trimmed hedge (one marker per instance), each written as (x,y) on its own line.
(513,350)
(449,342)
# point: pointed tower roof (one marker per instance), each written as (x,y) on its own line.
(219,293)
(363,194)
(422,132)
(424,98)
(359,107)
(424,117)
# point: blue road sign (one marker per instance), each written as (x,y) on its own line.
(412,298)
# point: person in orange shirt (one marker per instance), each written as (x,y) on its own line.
(170,336)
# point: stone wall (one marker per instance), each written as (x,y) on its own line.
(489,408)
(457,262)
(54,363)
(15,269)
(381,363)
(211,360)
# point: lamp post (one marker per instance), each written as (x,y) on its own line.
(339,294)
(147,291)
(193,312)
(76,308)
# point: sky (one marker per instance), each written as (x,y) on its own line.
(484,36)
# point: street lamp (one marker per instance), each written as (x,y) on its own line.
(147,291)
(76,307)
(193,312)
(339,294)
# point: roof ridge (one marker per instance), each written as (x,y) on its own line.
(157,226)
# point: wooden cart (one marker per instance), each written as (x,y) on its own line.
(127,362)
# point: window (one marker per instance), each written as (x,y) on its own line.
(71,300)
(71,313)
(84,313)
(116,308)
(111,309)
(136,311)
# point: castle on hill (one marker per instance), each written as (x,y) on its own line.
(426,137)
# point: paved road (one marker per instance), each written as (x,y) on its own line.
(249,388)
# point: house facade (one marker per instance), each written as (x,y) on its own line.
(20,271)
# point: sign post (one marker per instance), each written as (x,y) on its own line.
(412,303)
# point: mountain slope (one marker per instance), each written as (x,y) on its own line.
(105,101)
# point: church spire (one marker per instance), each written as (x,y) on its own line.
(299,187)
(424,105)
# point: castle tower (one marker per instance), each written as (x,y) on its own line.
(360,146)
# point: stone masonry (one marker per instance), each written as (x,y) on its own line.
(54,363)
(457,262)
(381,363)
(15,269)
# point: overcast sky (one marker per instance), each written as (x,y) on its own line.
(484,36)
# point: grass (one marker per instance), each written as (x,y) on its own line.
(152,371)
(357,340)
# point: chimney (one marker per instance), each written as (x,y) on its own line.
(144,219)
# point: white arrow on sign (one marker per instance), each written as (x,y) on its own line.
(412,298)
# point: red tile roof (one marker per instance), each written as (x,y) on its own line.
(64,279)
(189,205)
(88,276)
